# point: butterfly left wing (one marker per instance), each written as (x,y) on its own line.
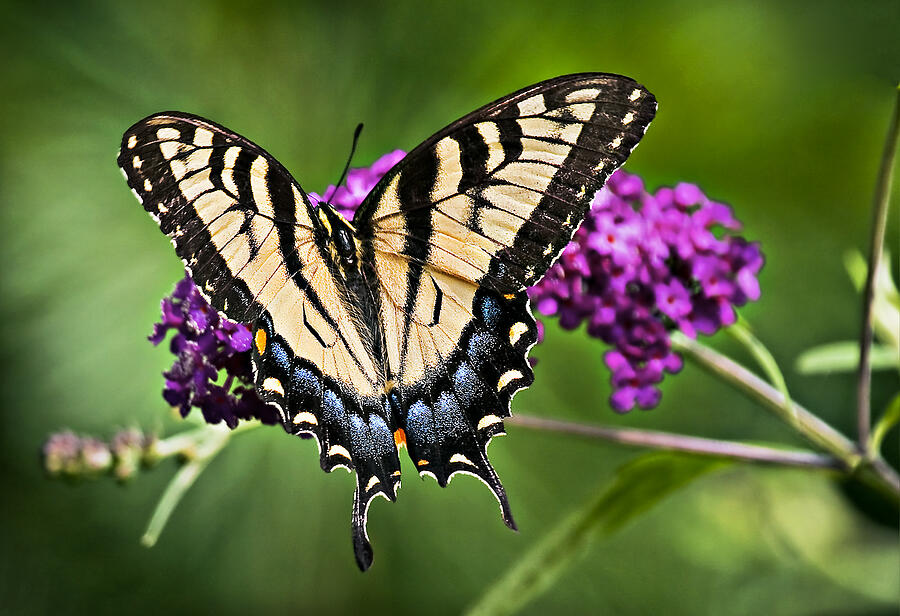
(253,245)
(456,231)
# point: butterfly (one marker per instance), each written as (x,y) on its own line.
(409,326)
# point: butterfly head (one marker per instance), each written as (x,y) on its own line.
(340,235)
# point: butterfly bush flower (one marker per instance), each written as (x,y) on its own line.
(205,344)
(642,265)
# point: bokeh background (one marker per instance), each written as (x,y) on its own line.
(779,108)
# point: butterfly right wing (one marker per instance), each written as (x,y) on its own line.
(457,230)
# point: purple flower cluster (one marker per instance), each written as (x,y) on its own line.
(205,344)
(642,265)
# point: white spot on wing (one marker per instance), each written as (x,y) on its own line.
(458,457)
(274,385)
(203,138)
(170,149)
(449,171)
(491,135)
(374,481)
(516,331)
(259,169)
(584,95)
(533,105)
(628,118)
(136,162)
(231,155)
(306,417)
(488,420)
(635,94)
(338,450)
(168,133)
(507,378)
(148,186)
(132,141)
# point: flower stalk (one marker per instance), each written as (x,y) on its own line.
(876,246)
(681,442)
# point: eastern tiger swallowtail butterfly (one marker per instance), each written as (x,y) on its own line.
(409,326)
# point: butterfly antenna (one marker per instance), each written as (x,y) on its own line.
(356,133)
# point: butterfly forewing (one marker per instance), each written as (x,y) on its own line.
(495,196)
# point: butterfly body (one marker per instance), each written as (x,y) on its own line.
(409,327)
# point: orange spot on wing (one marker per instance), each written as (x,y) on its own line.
(400,438)
(260,341)
(422,463)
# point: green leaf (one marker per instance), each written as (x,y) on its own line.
(890,419)
(886,302)
(741,332)
(844,357)
(637,487)
(855,264)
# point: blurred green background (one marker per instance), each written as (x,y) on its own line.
(779,108)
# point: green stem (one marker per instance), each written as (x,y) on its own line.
(199,447)
(876,472)
(890,418)
(811,427)
(876,245)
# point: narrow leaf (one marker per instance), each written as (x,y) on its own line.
(890,419)
(843,357)
(742,333)
(637,487)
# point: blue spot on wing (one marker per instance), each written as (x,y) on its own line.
(489,311)
(305,381)
(382,437)
(450,418)
(467,385)
(280,356)
(420,424)
(332,407)
(481,346)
